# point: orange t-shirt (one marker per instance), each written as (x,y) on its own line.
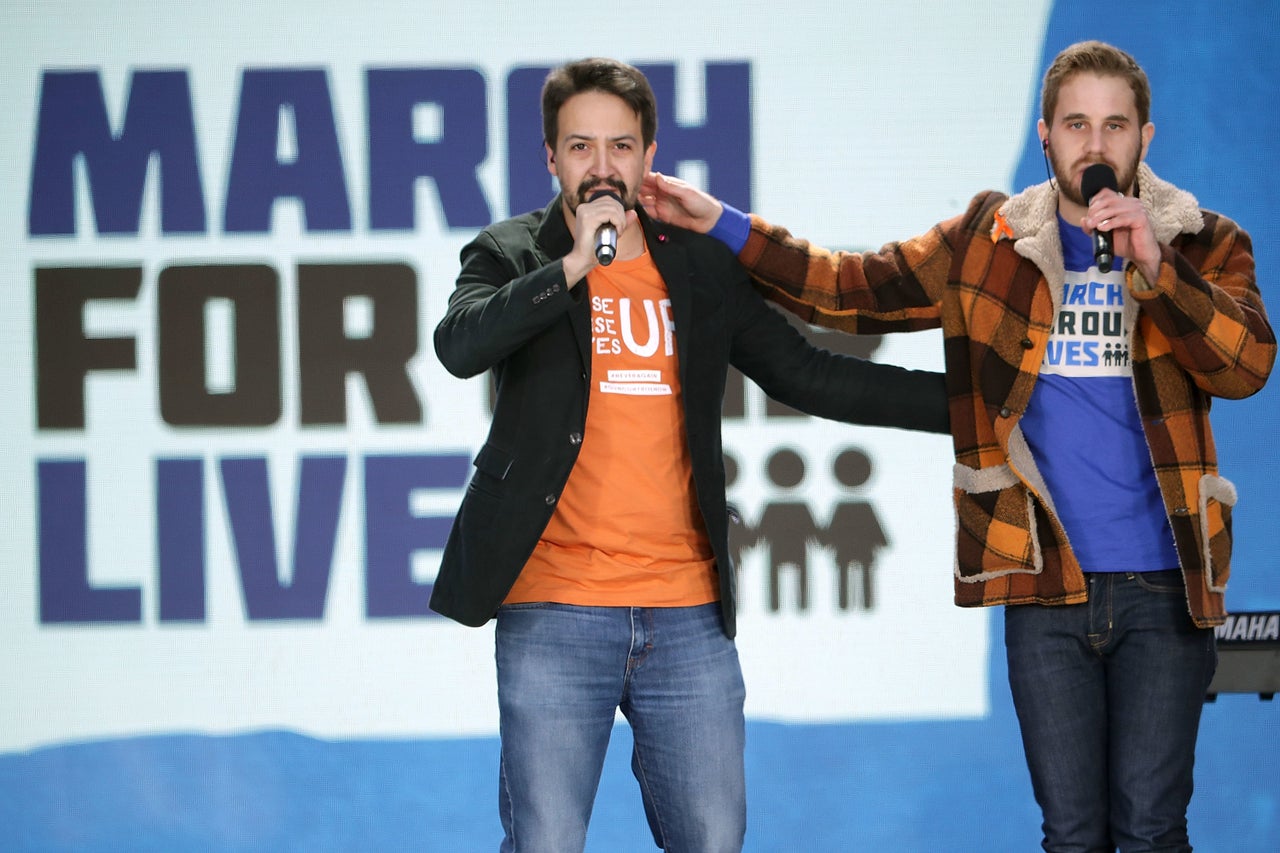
(627,530)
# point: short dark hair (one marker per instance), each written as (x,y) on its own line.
(1095,57)
(598,75)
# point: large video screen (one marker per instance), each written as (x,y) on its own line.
(232,457)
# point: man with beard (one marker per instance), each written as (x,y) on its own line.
(1086,489)
(595,527)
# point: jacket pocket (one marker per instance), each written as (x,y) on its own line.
(1217,498)
(492,465)
(995,524)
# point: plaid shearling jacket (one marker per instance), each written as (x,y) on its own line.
(992,279)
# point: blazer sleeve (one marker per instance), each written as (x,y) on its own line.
(496,307)
(778,358)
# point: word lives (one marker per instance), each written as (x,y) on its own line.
(392,533)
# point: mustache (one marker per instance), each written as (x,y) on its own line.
(586,188)
(1093,161)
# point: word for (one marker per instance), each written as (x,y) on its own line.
(327,351)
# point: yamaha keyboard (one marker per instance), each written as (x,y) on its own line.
(1248,655)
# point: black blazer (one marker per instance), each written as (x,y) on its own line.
(513,313)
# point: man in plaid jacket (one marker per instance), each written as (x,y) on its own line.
(1086,486)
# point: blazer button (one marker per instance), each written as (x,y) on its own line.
(575,438)
(1181,511)
(550,500)
(1027,343)
(1006,412)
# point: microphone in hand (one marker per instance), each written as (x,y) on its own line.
(607,234)
(1099,177)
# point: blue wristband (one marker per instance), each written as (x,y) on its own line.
(732,228)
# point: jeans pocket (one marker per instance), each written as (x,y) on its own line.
(525,605)
(1167,582)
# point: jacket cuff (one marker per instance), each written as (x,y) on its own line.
(732,228)
(1137,282)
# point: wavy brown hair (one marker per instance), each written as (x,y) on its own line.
(1095,57)
(598,75)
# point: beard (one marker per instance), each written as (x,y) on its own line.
(1070,188)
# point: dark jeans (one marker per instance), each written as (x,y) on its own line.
(1108,695)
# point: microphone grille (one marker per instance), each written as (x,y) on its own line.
(1097,177)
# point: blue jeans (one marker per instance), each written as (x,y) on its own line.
(1108,695)
(563,673)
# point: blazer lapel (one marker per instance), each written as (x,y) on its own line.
(673,265)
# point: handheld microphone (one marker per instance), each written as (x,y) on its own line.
(607,235)
(1098,177)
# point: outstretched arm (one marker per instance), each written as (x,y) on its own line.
(791,369)
(896,289)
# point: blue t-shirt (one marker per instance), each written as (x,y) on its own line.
(1083,427)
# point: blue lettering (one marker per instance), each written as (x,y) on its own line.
(1074,353)
(1092,293)
(529,187)
(286,146)
(73,123)
(723,142)
(397,158)
(65,592)
(180,539)
(393,536)
(266,595)
(261,172)
(393,533)
(1105,293)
